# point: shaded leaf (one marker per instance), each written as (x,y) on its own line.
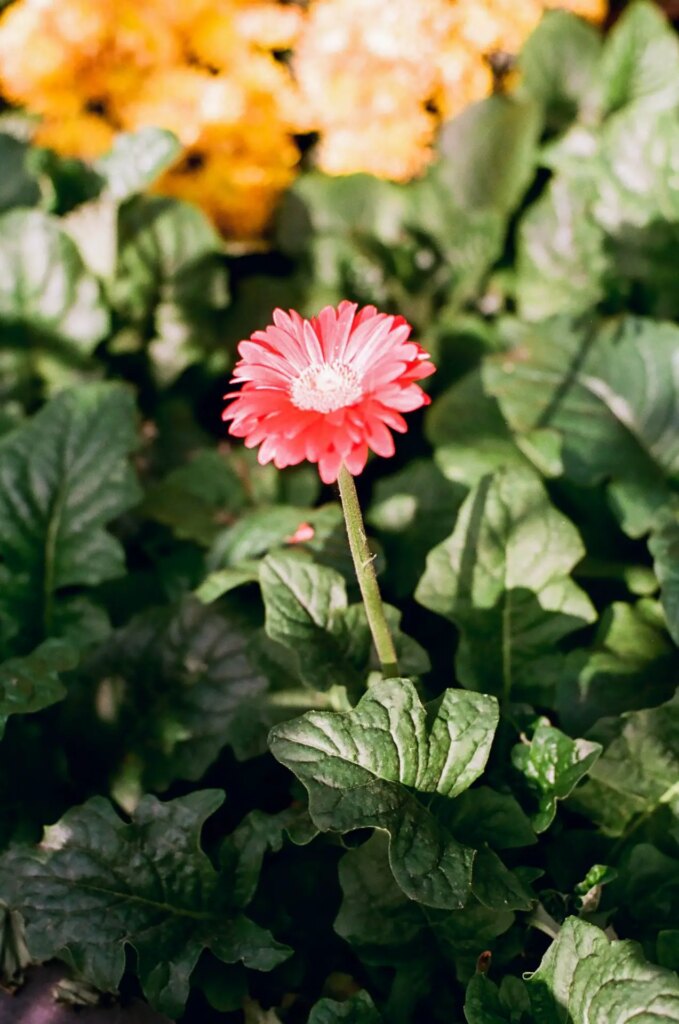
(638,771)
(64,475)
(664,546)
(97,884)
(32,683)
(358,1009)
(377,766)
(503,578)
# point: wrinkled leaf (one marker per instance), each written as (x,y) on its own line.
(97,885)
(377,766)
(32,683)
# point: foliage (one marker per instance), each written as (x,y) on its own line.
(208,794)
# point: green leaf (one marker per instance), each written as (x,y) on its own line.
(413,510)
(562,261)
(482,815)
(489,153)
(559,67)
(485,1003)
(305,610)
(171,282)
(64,475)
(641,60)
(378,765)
(631,665)
(552,765)
(503,578)
(612,398)
(638,771)
(46,294)
(358,1009)
(379,920)
(262,529)
(195,499)
(178,683)
(470,436)
(664,546)
(32,683)
(136,160)
(585,978)
(18,187)
(97,885)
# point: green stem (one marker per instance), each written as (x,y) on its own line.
(365,572)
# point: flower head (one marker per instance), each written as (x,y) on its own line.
(328,389)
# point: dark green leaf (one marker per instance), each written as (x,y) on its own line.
(553,764)
(503,578)
(64,475)
(664,546)
(377,766)
(18,187)
(358,1009)
(32,683)
(638,771)
(178,685)
(96,885)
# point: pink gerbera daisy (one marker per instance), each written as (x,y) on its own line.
(327,389)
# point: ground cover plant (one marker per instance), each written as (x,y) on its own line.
(218,796)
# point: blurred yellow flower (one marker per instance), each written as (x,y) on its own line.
(205,69)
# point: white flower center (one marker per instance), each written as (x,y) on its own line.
(325,387)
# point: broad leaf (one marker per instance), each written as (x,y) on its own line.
(560,69)
(562,263)
(485,1003)
(664,546)
(585,978)
(385,925)
(97,885)
(64,475)
(171,282)
(47,297)
(32,683)
(638,772)
(18,187)
(612,397)
(136,160)
(179,684)
(358,1009)
(552,764)
(380,764)
(489,152)
(641,60)
(503,578)
(631,665)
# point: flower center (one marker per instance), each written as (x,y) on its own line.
(325,387)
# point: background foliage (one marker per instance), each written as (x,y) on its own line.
(241,820)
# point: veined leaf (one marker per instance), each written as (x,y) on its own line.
(553,764)
(612,396)
(64,475)
(32,683)
(638,772)
(380,764)
(97,885)
(503,578)
(584,978)
(641,60)
(178,683)
(46,294)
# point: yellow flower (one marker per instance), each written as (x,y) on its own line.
(85,136)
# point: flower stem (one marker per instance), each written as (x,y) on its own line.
(365,572)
